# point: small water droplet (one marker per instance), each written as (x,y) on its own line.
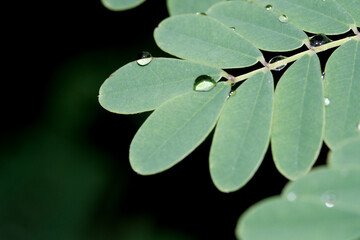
(329,199)
(358,126)
(291,196)
(144,58)
(201,13)
(283,18)
(231,93)
(319,40)
(323,0)
(326,101)
(204,83)
(233,28)
(269,7)
(276,59)
(323,75)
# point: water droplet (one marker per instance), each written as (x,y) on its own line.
(358,126)
(323,0)
(144,58)
(231,93)
(204,83)
(283,18)
(201,13)
(269,7)
(319,40)
(326,101)
(233,28)
(291,196)
(329,199)
(323,75)
(276,59)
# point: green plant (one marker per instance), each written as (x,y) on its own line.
(191,96)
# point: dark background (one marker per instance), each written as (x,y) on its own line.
(64,169)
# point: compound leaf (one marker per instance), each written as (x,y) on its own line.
(134,88)
(242,133)
(204,39)
(342,89)
(121,5)
(259,26)
(298,119)
(176,7)
(175,129)
(318,16)
(322,205)
(346,154)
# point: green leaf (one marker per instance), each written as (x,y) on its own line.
(134,88)
(242,133)
(120,5)
(324,205)
(175,129)
(258,25)
(316,16)
(342,89)
(204,39)
(352,7)
(176,7)
(346,154)
(298,119)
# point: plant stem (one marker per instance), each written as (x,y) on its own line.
(293,58)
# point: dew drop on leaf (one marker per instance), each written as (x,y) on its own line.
(204,83)
(329,199)
(201,13)
(231,93)
(319,40)
(358,126)
(323,75)
(269,7)
(326,101)
(233,28)
(144,58)
(291,196)
(276,59)
(283,18)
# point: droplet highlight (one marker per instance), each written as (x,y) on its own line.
(291,196)
(323,75)
(204,83)
(358,126)
(269,7)
(319,40)
(144,58)
(231,93)
(326,101)
(233,28)
(329,199)
(276,59)
(283,18)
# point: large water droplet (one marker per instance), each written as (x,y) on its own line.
(329,199)
(291,196)
(319,40)
(204,83)
(283,18)
(276,59)
(144,58)
(326,101)
(269,7)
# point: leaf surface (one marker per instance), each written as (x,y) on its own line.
(298,119)
(346,154)
(121,5)
(204,39)
(176,7)
(242,133)
(318,16)
(175,129)
(258,25)
(342,89)
(352,7)
(324,205)
(134,88)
